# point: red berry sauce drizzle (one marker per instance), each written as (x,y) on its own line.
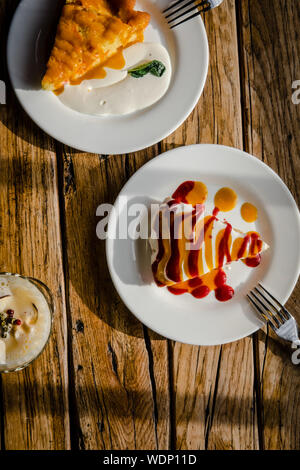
(215,280)
(200,287)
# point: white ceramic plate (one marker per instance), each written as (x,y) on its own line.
(207,321)
(34,22)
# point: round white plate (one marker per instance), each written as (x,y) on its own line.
(207,321)
(33,24)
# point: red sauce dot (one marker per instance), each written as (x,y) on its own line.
(201,292)
(17,322)
(253,261)
(175,291)
(224,293)
(196,282)
(221,278)
(216,211)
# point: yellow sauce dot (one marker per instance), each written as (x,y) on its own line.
(225,199)
(198,194)
(248,212)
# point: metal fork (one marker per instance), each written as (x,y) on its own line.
(274,314)
(201,7)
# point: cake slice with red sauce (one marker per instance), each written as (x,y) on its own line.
(187,243)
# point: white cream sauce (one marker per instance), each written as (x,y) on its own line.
(119,93)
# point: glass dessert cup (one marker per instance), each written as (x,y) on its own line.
(36,326)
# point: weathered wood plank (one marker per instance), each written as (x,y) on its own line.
(35,402)
(217,117)
(269,46)
(119,368)
(234,424)
(206,383)
(194,377)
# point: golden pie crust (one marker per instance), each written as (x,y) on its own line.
(88,34)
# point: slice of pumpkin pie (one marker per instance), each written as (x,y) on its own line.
(88,34)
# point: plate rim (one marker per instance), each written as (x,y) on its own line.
(130,149)
(108,241)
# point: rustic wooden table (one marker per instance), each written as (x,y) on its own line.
(105,381)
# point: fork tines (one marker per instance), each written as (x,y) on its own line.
(273,312)
(178,10)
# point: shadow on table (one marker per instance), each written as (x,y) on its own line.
(88,272)
(127,402)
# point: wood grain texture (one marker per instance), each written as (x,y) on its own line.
(206,379)
(217,117)
(234,421)
(194,384)
(269,47)
(118,369)
(35,402)
(105,381)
